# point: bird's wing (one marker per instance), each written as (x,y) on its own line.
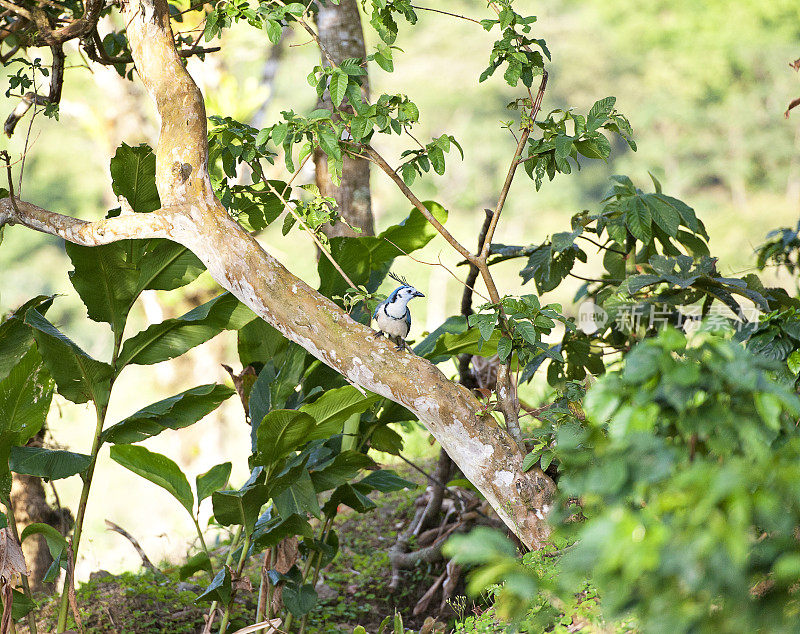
(377,308)
(408,319)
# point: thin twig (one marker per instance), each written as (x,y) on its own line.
(311,233)
(601,246)
(453,15)
(5,156)
(439,263)
(314,36)
(379,160)
(145,559)
(417,468)
(484,252)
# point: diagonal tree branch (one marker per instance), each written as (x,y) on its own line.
(194,217)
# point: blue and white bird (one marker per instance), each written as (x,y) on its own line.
(393,316)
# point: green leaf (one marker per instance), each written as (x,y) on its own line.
(133,170)
(338,86)
(599,112)
(51,464)
(56,544)
(300,497)
(563,146)
(485,322)
(345,467)
(334,407)
(386,439)
(175,412)
(354,257)
(198,561)
(276,529)
(156,468)
(166,266)
(172,337)
(413,233)
(299,600)
(25,396)
(105,278)
(639,220)
(258,342)
(503,348)
(664,215)
(329,143)
(16,338)
(384,481)
(469,342)
(239,507)
(219,589)
(349,495)
(212,480)
(280,433)
(78,377)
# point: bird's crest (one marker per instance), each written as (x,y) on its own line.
(399,278)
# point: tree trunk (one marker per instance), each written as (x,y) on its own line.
(340,34)
(193,216)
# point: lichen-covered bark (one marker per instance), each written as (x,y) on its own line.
(193,216)
(340,34)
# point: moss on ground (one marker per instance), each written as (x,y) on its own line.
(356,585)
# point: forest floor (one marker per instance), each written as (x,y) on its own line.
(354,588)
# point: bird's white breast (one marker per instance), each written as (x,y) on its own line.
(393,327)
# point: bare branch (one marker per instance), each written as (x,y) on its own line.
(380,162)
(484,252)
(153,225)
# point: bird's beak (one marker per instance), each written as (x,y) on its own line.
(418,294)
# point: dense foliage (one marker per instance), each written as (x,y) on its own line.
(677,470)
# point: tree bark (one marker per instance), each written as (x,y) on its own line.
(192,216)
(340,33)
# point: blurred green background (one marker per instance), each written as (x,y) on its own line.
(704,84)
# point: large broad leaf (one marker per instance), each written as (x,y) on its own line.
(284,386)
(258,342)
(350,496)
(16,337)
(158,469)
(78,377)
(270,531)
(300,497)
(106,280)
(219,589)
(166,266)
(260,400)
(280,433)
(334,407)
(175,412)
(454,325)
(25,396)
(299,599)
(240,507)
(133,170)
(51,464)
(55,543)
(344,468)
(411,234)
(212,480)
(469,342)
(384,481)
(173,337)
(353,256)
